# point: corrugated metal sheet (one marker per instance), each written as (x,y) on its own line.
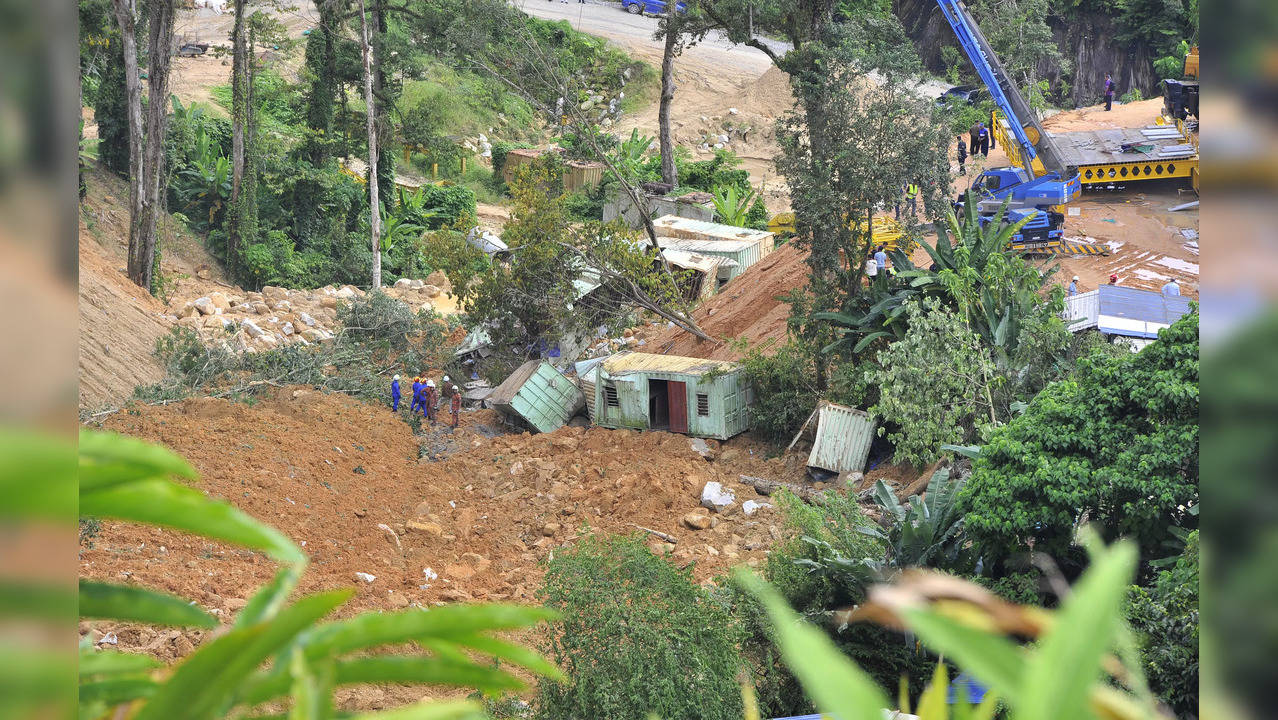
(843,438)
(683,227)
(1081,311)
(628,362)
(539,395)
(1137,313)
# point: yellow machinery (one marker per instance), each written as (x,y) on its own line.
(1191,63)
(886,231)
(1156,152)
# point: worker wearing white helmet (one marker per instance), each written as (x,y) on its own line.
(395,394)
(455,406)
(1073,286)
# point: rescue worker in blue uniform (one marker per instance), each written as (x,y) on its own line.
(395,394)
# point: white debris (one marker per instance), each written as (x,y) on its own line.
(750,507)
(109,639)
(430,574)
(716,497)
(365,577)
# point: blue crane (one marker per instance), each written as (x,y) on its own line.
(1045,181)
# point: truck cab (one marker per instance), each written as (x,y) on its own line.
(1035,198)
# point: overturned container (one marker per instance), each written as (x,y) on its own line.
(537,396)
(842,440)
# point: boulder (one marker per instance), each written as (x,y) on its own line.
(714,496)
(272,292)
(261,308)
(315,335)
(204,305)
(220,301)
(696,520)
(750,507)
(287,329)
(549,529)
(283,306)
(328,301)
(188,310)
(422,526)
(431,291)
(307,320)
(403,283)
(252,329)
(439,279)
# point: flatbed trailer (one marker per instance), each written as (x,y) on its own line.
(1156,152)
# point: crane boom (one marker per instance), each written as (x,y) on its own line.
(1034,141)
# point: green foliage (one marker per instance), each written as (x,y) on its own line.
(720,171)
(446,204)
(784,390)
(731,207)
(354,362)
(1165,618)
(933,383)
(757,217)
(1019,33)
(628,156)
(377,317)
(636,636)
(500,150)
(1159,25)
(843,162)
(562,280)
(926,531)
(110,109)
(1117,443)
(306,658)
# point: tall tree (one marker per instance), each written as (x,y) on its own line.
(159,63)
(857,135)
(124,15)
(370,113)
(321,61)
(677,31)
(239,119)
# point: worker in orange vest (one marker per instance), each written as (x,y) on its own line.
(455,405)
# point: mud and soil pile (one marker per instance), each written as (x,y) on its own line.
(344,480)
(752,307)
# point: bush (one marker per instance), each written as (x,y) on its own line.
(377,317)
(636,637)
(931,383)
(784,391)
(449,202)
(1117,443)
(1165,617)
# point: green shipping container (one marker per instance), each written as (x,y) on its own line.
(693,396)
(538,396)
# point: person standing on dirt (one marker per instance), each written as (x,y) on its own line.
(1113,278)
(974,138)
(880,259)
(984,137)
(428,400)
(395,394)
(417,394)
(962,155)
(1109,93)
(1073,287)
(912,198)
(1171,288)
(871,270)
(455,406)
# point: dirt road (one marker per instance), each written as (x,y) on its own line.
(634,32)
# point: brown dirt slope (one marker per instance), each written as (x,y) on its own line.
(328,471)
(120,322)
(749,307)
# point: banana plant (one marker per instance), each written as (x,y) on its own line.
(927,531)
(209,188)
(973,271)
(732,207)
(628,157)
